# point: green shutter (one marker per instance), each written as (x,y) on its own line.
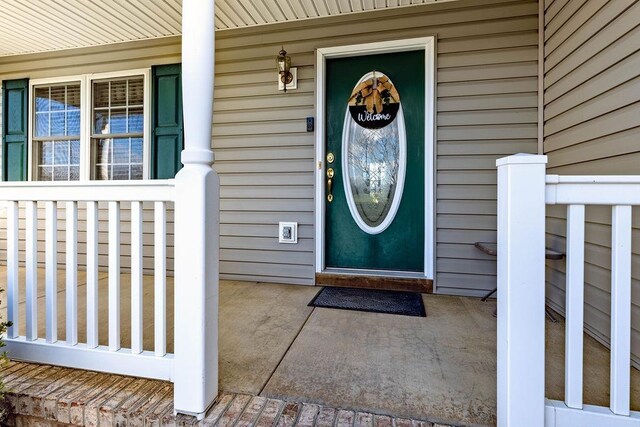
(14,129)
(166,121)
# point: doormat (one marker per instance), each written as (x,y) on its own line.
(370,300)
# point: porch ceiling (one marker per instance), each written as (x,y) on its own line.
(49,25)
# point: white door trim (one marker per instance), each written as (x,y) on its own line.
(428,45)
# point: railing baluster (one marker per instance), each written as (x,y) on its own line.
(51,275)
(31,255)
(72,272)
(13,292)
(136,278)
(575,307)
(620,309)
(92,274)
(114,276)
(160,278)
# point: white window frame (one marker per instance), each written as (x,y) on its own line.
(32,168)
(86,113)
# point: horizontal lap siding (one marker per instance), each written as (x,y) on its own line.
(592,127)
(93,60)
(486,109)
(265,159)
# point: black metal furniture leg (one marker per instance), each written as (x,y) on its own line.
(486,297)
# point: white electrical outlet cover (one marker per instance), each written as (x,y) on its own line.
(288,232)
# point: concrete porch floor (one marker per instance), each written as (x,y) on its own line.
(441,368)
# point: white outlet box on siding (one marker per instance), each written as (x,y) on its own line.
(288,232)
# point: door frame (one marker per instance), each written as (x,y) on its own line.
(427,44)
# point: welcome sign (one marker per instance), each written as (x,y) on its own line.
(374,103)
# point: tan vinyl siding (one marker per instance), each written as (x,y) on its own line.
(486,108)
(592,127)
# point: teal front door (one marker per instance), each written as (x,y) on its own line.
(374,165)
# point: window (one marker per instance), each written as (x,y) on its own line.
(118,128)
(94,126)
(56,136)
(90,127)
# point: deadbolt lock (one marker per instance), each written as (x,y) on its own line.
(330,158)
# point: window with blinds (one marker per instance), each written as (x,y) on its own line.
(117,125)
(117,128)
(56,133)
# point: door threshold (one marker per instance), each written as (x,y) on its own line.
(375,279)
(376,273)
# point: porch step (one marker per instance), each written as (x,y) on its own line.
(42,395)
(380,282)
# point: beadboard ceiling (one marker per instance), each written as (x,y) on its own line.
(28,26)
(245,13)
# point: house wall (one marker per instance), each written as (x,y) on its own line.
(592,127)
(486,108)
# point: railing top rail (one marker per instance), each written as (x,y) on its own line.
(85,191)
(593,179)
(593,190)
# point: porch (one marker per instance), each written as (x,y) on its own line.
(500,77)
(441,368)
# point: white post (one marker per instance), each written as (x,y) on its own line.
(521,300)
(197,212)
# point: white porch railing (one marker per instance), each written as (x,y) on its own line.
(523,191)
(70,352)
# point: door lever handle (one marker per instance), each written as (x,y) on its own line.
(329,184)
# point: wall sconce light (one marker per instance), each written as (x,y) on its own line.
(287,76)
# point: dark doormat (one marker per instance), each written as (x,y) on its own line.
(371,300)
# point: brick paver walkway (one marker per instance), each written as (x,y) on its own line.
(42,395)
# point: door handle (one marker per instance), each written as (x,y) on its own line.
(329,184)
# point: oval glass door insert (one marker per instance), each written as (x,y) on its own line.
(374,152)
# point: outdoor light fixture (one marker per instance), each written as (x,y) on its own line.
(287,75)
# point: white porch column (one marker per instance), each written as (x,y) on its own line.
(521,293)
(197,212)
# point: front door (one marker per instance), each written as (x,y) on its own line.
(374,165)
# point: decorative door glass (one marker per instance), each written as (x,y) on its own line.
(374,152)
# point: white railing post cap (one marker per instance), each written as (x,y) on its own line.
(522,159)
